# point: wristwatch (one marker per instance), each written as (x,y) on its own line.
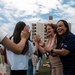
(51,51)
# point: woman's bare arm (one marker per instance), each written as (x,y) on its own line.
(42,49)
(61,52)
(17,48)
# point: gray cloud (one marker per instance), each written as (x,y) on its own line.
(30,11)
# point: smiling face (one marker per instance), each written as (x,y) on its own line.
(61,29)
(49,30)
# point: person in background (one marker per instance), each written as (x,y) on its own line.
(39,63)
(16,48)
(65,47)
(33,59)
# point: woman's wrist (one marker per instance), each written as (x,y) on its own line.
(51,51)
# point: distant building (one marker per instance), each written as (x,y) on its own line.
(69,26)
(50,19)
(39,28)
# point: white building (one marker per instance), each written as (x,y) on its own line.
(39,28)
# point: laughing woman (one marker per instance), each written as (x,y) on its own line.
(65,47)
(51,43)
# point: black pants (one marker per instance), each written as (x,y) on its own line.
(18,72)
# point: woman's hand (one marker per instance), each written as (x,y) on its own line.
(47,48)
(25,32)
(36,39)
(42,43)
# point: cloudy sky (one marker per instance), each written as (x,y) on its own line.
(32,11)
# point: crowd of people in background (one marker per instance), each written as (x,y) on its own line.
(24,54)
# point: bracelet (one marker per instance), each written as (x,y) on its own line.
(51,51)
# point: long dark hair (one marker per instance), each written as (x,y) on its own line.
(16,35)
(60,38)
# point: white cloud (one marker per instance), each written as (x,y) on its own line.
(30,11)
(9,28)
(71,2)
(1,18)
(31,6)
